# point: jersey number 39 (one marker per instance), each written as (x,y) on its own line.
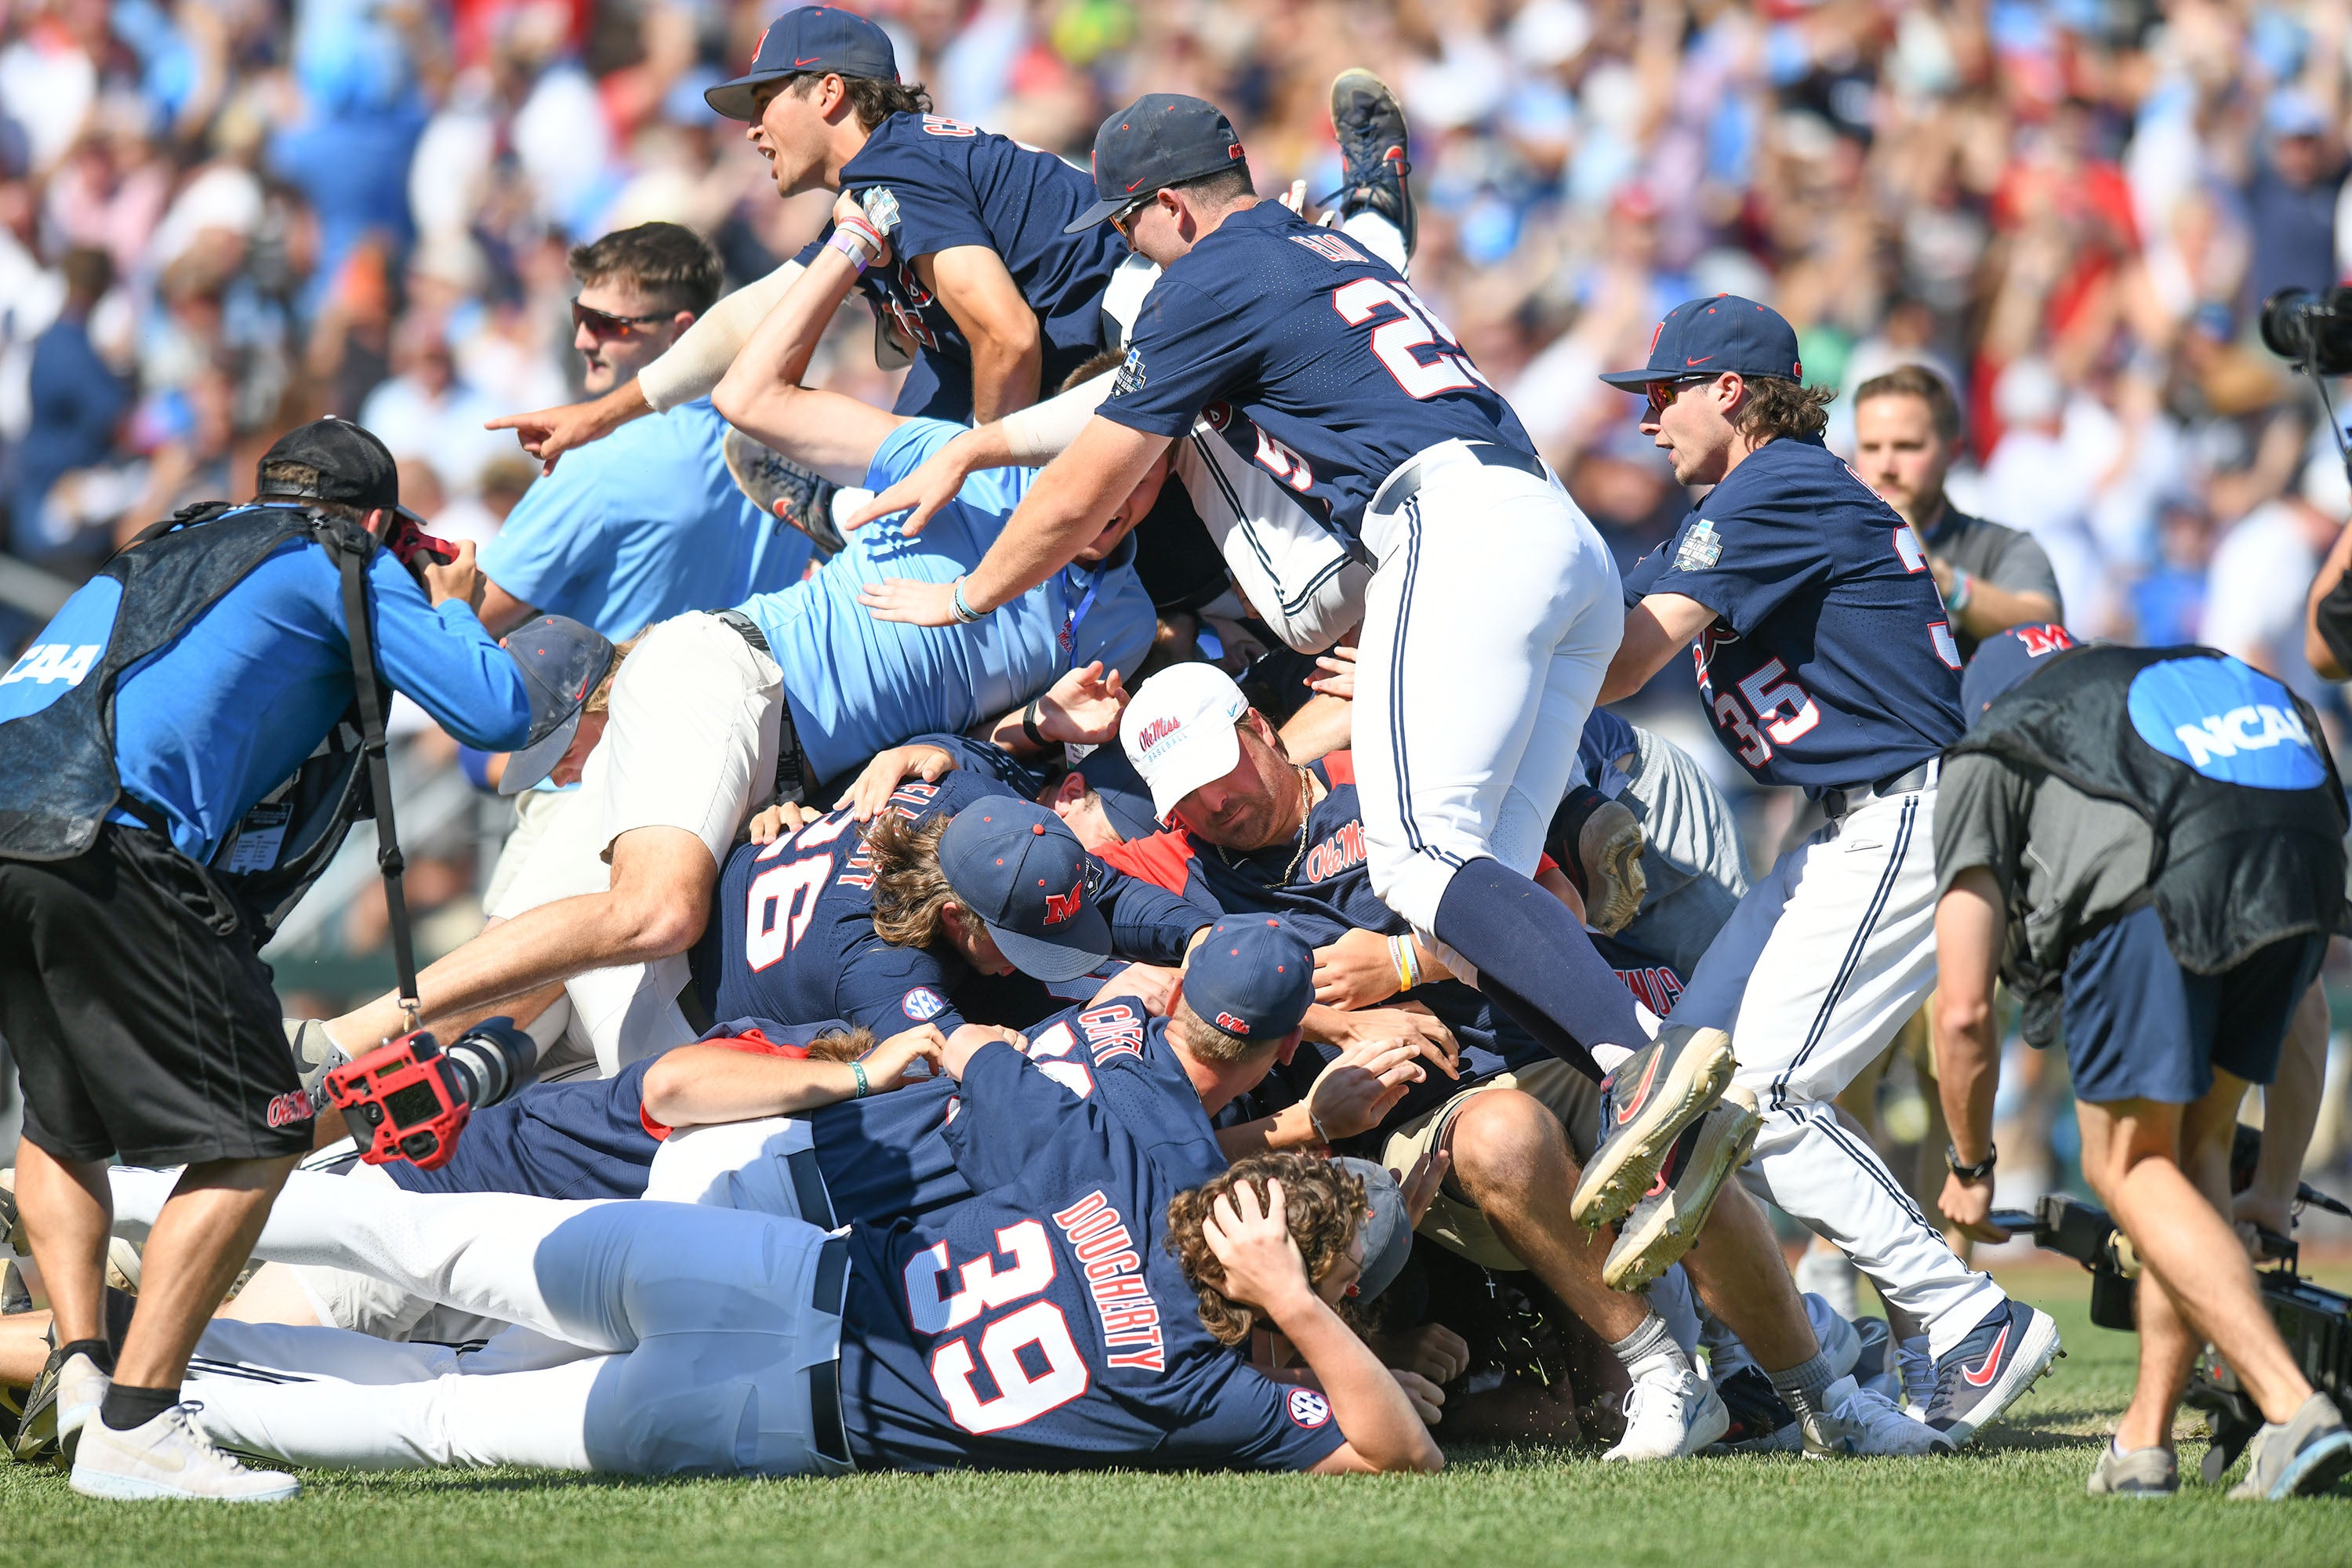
(1038,1329)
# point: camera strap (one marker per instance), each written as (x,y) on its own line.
(353,557)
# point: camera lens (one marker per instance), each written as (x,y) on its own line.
(2286,327)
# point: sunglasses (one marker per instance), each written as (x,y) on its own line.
(1663,393)
(604,324)
(1124,219)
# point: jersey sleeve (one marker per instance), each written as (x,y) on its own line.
(1982,806)
(1743,564)
(1149,923)
(1250,1422)
(1186,351)
(987,761)
(440,655)
(556,540)
(930,207)
(1009,1109)
(890,989)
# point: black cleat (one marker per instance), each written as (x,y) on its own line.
(1369,124)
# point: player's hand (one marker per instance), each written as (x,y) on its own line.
(1152,984)
(849,205)
(970,1037)
(1362,1084)
(909,600)
(1250,1237)
(1431,1350)
(1428,1400)
(872,788)
(1356,971)
(1419,1185)
(920,494)
(1380,1024)
(459,579)
(1969,1206)
(887,1065)
(548,433)
(1083,707)
(781,820)
(1338,677)
(1295,198)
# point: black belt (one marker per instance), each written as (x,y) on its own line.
(1405,483)
(828,1435)
(792,761)
(1838,802)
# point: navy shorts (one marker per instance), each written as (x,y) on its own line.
(2139,1026)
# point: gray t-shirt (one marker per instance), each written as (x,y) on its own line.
(2007,558)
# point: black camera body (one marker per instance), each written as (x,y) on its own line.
(2312,330)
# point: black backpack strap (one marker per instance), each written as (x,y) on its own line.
(353,555)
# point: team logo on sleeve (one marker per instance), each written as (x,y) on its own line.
(1701,548)
(881,205)
(1130,375)
(923,1004)
(1308,1408)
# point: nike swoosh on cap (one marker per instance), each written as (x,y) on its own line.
(1701,360)
(1981,1373)
(810,61)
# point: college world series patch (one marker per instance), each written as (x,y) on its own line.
(1130,374)
(1701,548)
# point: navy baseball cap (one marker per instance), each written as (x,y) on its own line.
(1012,863)
(1708,337)
(1161,138)
(562,661)
(812,38)
(1251,976)
(2003,660)
(1126,798)
(1388,1230)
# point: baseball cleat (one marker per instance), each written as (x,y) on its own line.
(1916,1369)
(1654,1093)
(1669,1414)
(1599,844)
(783,490)
(2303,1457)
(1864,1425)
(1761,1423)
(1991,1370)
(170,1456)
(1665,1223)
(315,1055)
(1369,122)
(2138,1473)
(61,1403)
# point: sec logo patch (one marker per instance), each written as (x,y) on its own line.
(1308,1408)
(923,1004)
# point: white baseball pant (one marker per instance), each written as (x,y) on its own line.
(692,744)
(652,1339)
(1488,629)
(744,1166)
(1820,964)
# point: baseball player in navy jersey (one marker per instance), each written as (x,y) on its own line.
(1825,661)
(1475,679)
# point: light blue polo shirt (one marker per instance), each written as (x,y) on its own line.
(641,526)
(858,685)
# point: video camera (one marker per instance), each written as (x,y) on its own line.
(2315,1323)
(409,1098)
(2311,331)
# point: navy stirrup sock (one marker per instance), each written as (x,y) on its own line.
(1536,963)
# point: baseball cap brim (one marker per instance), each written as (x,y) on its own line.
(735,100)
(1080,949)
(532,764)
(1100,212)
(1207,757)
(1388,1236)
(1636,380)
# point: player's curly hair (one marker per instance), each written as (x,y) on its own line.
(909,887)
(1776,406)
(1324,1202)
(837,1046)
(871,98)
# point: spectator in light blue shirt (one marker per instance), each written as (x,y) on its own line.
(648,523)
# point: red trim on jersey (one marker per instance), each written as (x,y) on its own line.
(1163,859)
(1340,768)
(754,1042)
(1545,863)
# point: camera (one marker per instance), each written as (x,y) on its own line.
(2313,331)
(413,546)
(409,1098)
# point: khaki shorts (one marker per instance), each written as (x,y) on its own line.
(1457,1224)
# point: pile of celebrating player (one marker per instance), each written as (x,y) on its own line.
(1073,1091)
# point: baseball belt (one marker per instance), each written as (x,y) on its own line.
(828,1435)
(1837,803)
(792,761)
(1405,483)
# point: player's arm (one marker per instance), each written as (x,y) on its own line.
(501,611)
(703,1085)
(1081,707)
(1028,438)
(1251,1238)
(1352,1095)
(1008,351)
(1656,630)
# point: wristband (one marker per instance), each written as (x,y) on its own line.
(964,613)
(1962,584)
(1029,723)
(845,244)
(1401,954)
(863,231)
(857,1071)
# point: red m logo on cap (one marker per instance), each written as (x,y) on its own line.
(1060,907)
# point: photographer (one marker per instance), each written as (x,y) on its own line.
(145,845)
(2083,767)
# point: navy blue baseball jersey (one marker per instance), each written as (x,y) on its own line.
(1341,373)
(1042,1324)
(933,183)
(1831,661)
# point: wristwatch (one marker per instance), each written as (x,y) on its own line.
(1971,1174)
(1029,723)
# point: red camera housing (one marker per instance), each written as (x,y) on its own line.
(401,1101)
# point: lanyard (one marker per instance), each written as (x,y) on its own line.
(1072,619)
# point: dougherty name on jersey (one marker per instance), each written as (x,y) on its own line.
(1106,1248)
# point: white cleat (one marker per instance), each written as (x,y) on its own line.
(1867,1424)
(1668,1415)
(170,1456)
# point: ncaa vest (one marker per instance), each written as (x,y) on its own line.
(2226,766)
(57,775)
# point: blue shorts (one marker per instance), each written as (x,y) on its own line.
(2139,1026)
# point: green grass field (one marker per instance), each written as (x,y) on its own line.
(2015,1499)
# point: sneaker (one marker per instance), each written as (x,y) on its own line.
(1916,1369)
(1991,1370)
(2303,1457)
(59,1407)
(1669,1414)
(1599,844)
(15,1296)
(1841,1343)
(1830,1274)
(783,490)
(1760,1422)
(1369,122)
(1876,1344)
(1644,1105)
(170,1456)
(315,1056)
(2139,1472)
(1867,1426)
(1666,1222)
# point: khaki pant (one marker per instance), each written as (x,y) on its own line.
(1458,1225)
